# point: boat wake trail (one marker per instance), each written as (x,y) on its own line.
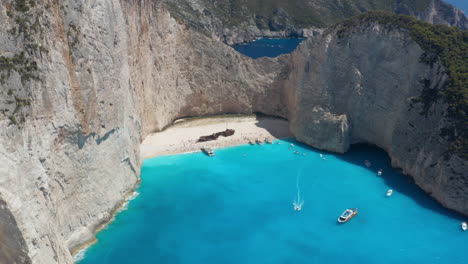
(298,201)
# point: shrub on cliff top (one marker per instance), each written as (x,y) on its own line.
(450,45)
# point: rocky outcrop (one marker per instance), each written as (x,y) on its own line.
(82,84)
(181,73)
(13,248)
(359,88)
(439,12)
(104,76)
(68,143)
(315,126)
(234,21)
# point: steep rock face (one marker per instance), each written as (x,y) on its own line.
(81,89)
(439,12)
(13,248)
(237,21)
(95,78)
(358,88)
(69,147)
(179,73)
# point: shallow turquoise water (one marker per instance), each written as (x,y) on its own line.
(268,47)
(238,209)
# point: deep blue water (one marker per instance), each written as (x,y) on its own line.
(268,47)
(462,4)
(237,208)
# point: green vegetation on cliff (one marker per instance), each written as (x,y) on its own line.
(444,43)
(26,67)
(24,27)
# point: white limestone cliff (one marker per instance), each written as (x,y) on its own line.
(359,88)
(110,72)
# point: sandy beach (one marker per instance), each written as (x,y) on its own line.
(182,136)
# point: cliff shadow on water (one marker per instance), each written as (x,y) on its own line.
(394,177)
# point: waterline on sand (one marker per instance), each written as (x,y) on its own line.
(182,136)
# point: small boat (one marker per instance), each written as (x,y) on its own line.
(380,172)
(208,151)
(258,141)
(347,215)
(464,226)
(296,152)
(389,193)
(321,155)
(251,142)
(367,163)
(267,140)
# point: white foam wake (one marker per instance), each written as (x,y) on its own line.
(298,201)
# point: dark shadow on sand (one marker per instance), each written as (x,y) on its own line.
(278,127)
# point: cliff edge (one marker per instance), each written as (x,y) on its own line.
(81,85)
(237,21)
(369,80)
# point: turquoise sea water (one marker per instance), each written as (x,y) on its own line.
(237,208)
(268,47)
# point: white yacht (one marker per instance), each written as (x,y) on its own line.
(347,215)
(389,193)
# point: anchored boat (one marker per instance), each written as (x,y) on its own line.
(367,163)
(464,226)
(347,215)
(389,193)
(208,151)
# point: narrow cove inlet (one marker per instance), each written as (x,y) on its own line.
(237,207)
(234,132)
(272,203)
(268,47)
